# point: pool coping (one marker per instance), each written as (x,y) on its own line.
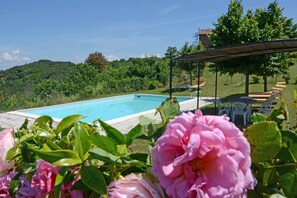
(124,124)
(115,120)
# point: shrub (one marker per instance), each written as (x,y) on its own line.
(153,85)
(255,79)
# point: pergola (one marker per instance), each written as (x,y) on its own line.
(234,52)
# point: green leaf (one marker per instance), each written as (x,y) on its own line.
(59,181)
(58,157)
(269,176)
(104,156)
(82,144)
(257,117)
(52,146)
(26,138)
(122,149)
(79,185)
(133,134)
(14,185)
(93,178)
(45,134)
(265,140)
(149,126)
(25,124)
(168,109)
(68,122)
(139,156)
(27,154)
(44,122)
(13,152)
(288,182)
(290,138)
(104,143)
(112,133)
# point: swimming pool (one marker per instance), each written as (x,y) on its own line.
(106,108)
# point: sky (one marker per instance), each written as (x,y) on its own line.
(69,30)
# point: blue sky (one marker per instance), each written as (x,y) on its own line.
(69,30)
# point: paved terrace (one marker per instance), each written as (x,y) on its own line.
(15,119)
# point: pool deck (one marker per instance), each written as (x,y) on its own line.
(14,119)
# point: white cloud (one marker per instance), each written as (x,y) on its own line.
(6,56)
(13,57)
(26,58)
(111,57)
(158,55)
(16,51)
(78,59)
(145,55)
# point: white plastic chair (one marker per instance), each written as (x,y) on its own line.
(266,107)
(224,108)
(240,109)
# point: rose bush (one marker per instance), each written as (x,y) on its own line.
(189,155)
(203,156)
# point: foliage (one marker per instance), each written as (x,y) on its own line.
(97,60)
(43,83)
(189,66)
(255,79)
(273,154)
(24,79)
(263,24)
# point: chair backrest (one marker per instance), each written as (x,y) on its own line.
(223,107)
(239,107)
(266,105)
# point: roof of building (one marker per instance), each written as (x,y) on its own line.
(249,49)
(205,31)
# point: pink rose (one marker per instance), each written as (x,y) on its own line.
(5,182)
(6,143)
(44,179)
(134,186)
(203,156)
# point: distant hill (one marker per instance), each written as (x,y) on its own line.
(23,79)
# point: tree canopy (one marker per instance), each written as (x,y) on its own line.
(97,60)
(235,27)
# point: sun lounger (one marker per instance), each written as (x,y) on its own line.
(184,85)
(264,96)
(281,83)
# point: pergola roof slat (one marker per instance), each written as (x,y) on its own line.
(238,51)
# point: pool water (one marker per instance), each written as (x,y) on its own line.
(105,109)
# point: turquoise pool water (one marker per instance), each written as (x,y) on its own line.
(105,109)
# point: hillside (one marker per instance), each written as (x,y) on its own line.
(23,79)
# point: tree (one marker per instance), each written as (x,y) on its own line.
(274,25)
(189,66)
(264,24)
(97,60)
